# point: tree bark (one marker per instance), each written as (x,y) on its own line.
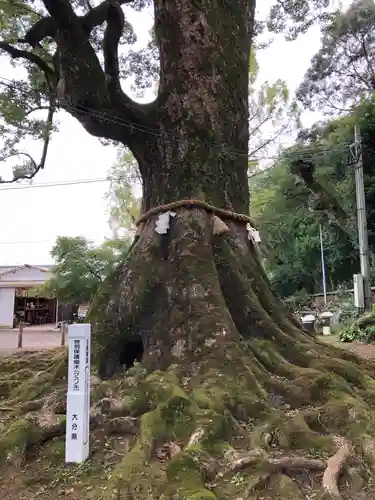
(190,289)
(197,150)
(202,120)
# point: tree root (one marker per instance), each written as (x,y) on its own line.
(216,393)
(335,464)
(332,468)
(280,464)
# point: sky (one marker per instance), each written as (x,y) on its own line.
(32,217)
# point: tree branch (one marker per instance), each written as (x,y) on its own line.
(44,28)
(35,167)
(29,56)
(63,13)
(305,170)
(98,15)
(112,35)
(47,27)
(93,96)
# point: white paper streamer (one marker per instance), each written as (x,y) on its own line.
(163,222)
(253,234)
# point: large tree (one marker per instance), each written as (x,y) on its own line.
(239,395)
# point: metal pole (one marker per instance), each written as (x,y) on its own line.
(362,221)
(323,265)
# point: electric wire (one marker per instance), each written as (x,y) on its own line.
(222,147)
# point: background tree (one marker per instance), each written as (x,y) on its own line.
(342,72)
(124,194)
(273,113)
(290,234)
(289,210)
(226,369)
(80,268)
(294,17)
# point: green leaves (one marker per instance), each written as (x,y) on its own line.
(341,74)
(293,17)
(81,267)
(281,206)
(270,108)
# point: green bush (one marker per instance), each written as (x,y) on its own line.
(354,332)
(350,333)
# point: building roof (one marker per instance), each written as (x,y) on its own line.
(13,269)
(6,271)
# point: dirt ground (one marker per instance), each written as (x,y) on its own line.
(366,351)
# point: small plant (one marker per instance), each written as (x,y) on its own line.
(357,332)
(369,334)
(238,480)
(350,333)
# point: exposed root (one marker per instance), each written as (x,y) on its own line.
(122,426)
(28,406)
(280,464)
(196,437)
(369,450)
(335,464)
(241,399)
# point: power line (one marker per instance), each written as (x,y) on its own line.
(36,242)
(74,182)
(155,132)
(59,184)
(24,242)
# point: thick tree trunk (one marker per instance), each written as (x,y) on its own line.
(200,148)
(229,364)
(199,151)
(182,289)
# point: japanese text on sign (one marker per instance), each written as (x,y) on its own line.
(76,361)
(78,396)
(74,435)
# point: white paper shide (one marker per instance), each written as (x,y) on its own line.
(78,397)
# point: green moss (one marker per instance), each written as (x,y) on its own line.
(346,415)
(36,386)
(185,480)
(54,451)
(33,388)
(14,443)
(136,471)
(347,370)
(293,433)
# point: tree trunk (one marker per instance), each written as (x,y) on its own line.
(228,370)
(176,292)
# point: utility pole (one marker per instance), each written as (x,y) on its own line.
(323,265)
(356,153)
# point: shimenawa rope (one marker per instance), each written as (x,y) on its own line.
(221,212)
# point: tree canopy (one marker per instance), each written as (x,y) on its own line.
(341,74)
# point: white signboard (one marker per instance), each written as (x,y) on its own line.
(78,397)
